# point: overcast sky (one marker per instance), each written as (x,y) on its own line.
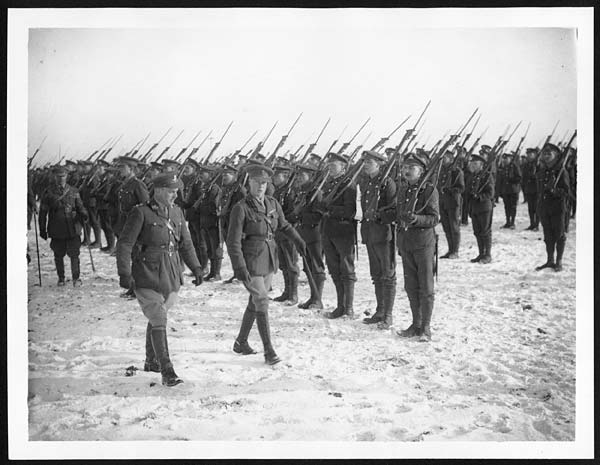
(257,67)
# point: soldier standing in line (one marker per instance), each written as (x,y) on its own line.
(553,191)
(571,168)
(252,248)
(417,215)
(170,165)
(151,245)
(89,182)
(508,182)
(529,187)
(378,201)
(286,251)
(61,217)
(338,235)
(308,220)
(464,208)
(480,191)
(451,186)
(107,175)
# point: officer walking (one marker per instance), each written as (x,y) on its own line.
(152,243)
(62,215)
(251,245)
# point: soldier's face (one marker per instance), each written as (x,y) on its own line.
(279,178)
(371,167)
(168,168)
(228,178)
(412,173)
(258,187)
(204,176)
(447,160)
(475,166)
(165,195)
(548,157)
(303,177)
(531,156)
(125,170)
(335,168)
(61,179)
(188,170)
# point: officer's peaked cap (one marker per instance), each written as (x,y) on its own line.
(259,172)
(168,180)
(373,155)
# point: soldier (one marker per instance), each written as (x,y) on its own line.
(73,172)
(451,186)
(170,165)
(61,217)
(286,251)
(529,186)
(231,193)
(417,215)
(378,201)
(571,168)
(130,193)
(106,199)
(508,182)
(308,220)
(338,234)
(31,203)
(156,237)
(314,161)
(89,182)
(553,191)
(480,191)
(464,208)
(252,248)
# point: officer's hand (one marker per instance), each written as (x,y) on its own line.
(241,274)
(408,217)
(476,196)
(44,235)
(125,281)
(198,277)
(551,191)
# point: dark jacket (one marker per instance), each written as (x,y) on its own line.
(378,203)
(132,192)
(552,202)
(451,186)
(305,215)
(528,178)
(508,179)
(480,191)
(151,245)
(61,212)
(339,218)
(420,233)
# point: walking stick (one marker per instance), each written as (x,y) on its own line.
(37,247)
(87,239)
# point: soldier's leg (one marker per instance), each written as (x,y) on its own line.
(202,251)
(332,258)
(387,259)
(476,222)
(150,363)
(314,262)
(549,240)
(95,224)
(465,210)
(283,266)
(506,202)
(454,217)
(258,287)
(293,271)
(241,346)
(215,252)
(73,245)
(513,209)
(445,220)
(59,247)
(424,260)
(560,237)
(347,250)
(376,276)
(486,236)
(411,286)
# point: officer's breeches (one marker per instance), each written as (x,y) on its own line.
(155,306)
(259,286)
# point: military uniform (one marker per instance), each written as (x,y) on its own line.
(464,209)
(61,216)
(378,202)
(480,191)
(416,246)
(529,187)
(451,186)
(508,183)
(130,193)
(253,251)
(150,249)
(88,184)
(103,207)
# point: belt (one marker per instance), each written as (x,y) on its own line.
(259,237)
(160,248)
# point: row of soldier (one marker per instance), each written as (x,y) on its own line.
(399,215)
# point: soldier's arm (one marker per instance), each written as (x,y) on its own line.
(487,192)
(430,215)
(142,192)
(288,229)
(234,237)
(81,210)
(348,209)
(188,252)
(517,174)
(127,239)
(459,182)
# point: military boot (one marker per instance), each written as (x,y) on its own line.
(349,299)
(75,268)
(379,310)
(215,270)
(292,289)
(241,346)
(560,249)
(389,296)
(550,257)
(426,311)
(60,270)
(480,247)
(316,291)
(97,238)
(159,343)
(286,288)
(262,322)
(487,250)
(340,309)
(150,364)
(87,231)
(415,328)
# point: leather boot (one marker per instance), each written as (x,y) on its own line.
(426,311)
(215,270)
(241,346)
(340,309)
(349,299)
(203,259)
(487,250)
(560,249)
(292,289)
(97,238)
(379,310)
(60,270)
(150,364)
(87,229)
(262,322)
(480,247)
(415,328)
(75,268)
(550,257)
(314,300)
(286,288)
(389,295)
(159,343)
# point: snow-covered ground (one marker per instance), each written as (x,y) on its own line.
(500,367)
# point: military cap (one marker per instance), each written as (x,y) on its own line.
(206,168)
(60,170)
(85,162)
(448,152)
(156,165)
(260,156)
(305,167)
(70,162)
(259,172)
(333,156)
(389,150)
(167,161)
(551,147)
(102,163)
(508,154)
(476,157)
(314,156)
(192,162)
(373,155)
(142,164)
(281,161)
(422,153)
(168,180)
(531,150)
(228,167)
(282,167)
(416,159)
(130,161)
(486,148)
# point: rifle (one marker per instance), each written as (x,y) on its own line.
(518,149)
(470,152)
(237,152)
(358,147)
(383,140)
(89,158)
(335,142)
(408,134)
(195,149)
(271,159)
(137,149)
(147,154)
(207,159)
(166,149)
(314,144)
(346,144)
(109,149)
(128,154)
(35,153)
(547,141)
(183,150)
(470,133)
(295,154)
(565,157)
(261,144)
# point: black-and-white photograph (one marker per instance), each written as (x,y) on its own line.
(300,233)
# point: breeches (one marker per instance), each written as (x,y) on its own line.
(339,256)
(210,237)
(510,204)
(259,286)
(417,266)
(62,247)
(288,255)
(482,223)
(450,219)
(382,262)
(553,225)
(155,306)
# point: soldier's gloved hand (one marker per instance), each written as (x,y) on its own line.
(125,281)
(43,234)
(241,274)
(408,217)
(198,277)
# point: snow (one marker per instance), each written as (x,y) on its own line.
(500,366)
